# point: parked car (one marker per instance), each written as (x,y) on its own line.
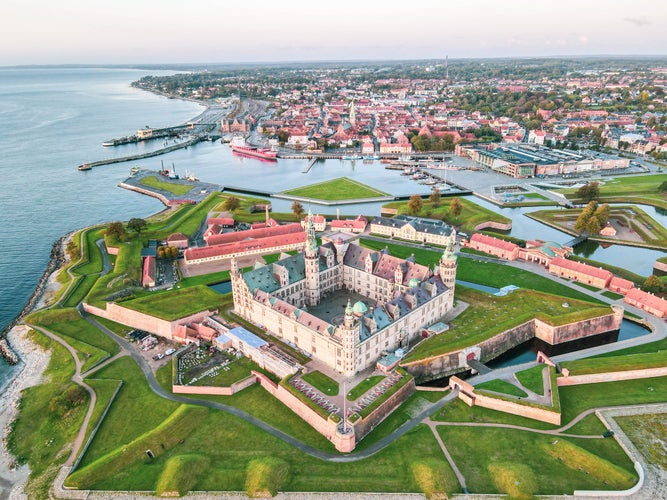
(169,352)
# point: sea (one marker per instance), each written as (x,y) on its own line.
(51,120)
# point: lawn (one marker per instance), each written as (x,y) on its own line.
(503,387)
(532,379)
(486,455)
(489,315)
(658,345)
(649,434)
(471,216)
(322,383)
(342,188)
(237,370)
(616,363)
(635,188)
(364,386)
(172,187)
(177,303)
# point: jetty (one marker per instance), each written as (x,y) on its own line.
(157,152)
(312,162)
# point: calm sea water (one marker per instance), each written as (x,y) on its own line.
(52,120)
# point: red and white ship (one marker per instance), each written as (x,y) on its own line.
(240,147)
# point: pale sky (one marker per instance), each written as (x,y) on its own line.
(200,31)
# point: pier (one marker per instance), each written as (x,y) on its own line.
(157,152)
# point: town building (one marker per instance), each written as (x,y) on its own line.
(389,300)
(319,222)
(647,302)
(178,240)
(583,273)
(252,242)
(494,246)
(430,231)
(356,225)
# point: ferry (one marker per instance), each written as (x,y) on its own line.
(241,148)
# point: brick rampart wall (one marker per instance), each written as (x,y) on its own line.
(215,391)
(596,378)
(368,423)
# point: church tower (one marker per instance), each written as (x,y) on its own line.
(312,264)
(448,262)
(353,115)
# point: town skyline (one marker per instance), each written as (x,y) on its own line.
(40,33)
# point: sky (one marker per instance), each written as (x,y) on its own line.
(207,31)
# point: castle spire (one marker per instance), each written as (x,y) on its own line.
(311,243)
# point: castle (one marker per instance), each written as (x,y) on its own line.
(301,298)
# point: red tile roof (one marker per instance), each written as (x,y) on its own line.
(263,232)
(267,244)
(579,267)
(493,242)
(647,299)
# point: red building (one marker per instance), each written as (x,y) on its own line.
(647,302)
(494,246)
(594,276)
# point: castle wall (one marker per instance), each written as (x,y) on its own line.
(596,378)
(327,427)
(142,321)
(455,361)
(368,423)
(215,391)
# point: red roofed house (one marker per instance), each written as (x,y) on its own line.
(253,241)
(319,222)
(357,225)
(620,285)
(178,240)
(647,302)
(494,246)
(583,273)
(148,274)
(608,230)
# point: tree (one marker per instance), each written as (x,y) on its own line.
(297,209)
(593,226)
(435,197)
(231,203)
(117,231)
(415,204)
(602,214)
(589,191)
(137,225)
(455,207)
(653,284)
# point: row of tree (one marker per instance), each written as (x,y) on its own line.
(593,218)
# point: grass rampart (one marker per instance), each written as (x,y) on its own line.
(173,304)
(489,316)
(342,188)
(616,363)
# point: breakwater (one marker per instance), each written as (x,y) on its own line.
(141,156)
(56,259)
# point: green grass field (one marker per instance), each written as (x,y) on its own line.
(364,386)
(171,187)
(322,383)
(531,379)
(342,188)
(616,363)
(635,188)
(502,387)
(177,303)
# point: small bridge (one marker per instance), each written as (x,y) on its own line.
(576,241)
(477,365)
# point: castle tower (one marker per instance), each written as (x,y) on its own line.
(448,262)
(312,264)
(350,333)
